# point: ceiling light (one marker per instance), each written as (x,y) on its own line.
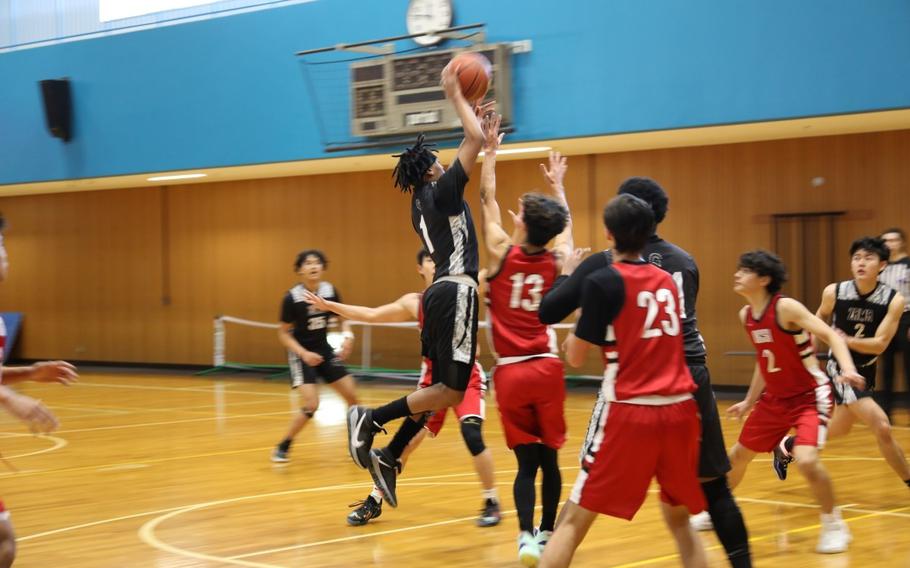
(176,176)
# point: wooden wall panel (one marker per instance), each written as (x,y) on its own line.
(137,275)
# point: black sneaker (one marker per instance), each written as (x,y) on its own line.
(366,511)
(782,459)
(384,468)
(360,434)
(489,515)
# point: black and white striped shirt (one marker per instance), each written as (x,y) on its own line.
(897,276)
(443,220)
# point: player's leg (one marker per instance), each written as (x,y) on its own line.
(471,413)
(346,387)
(449,339)
(677,464)
(550,492)
(371,507)
(842,421)
(691,551)
(740,458)
(724,514)
(574,525)
(871,414)
(887,358)
(7,539)
(308,394)
(549,413)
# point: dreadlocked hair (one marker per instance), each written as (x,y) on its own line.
(413,164)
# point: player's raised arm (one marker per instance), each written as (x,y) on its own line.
(495,237)
(564,243)
(793,313)
(401,310)
(470,121)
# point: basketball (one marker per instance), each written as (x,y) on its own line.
(474,73)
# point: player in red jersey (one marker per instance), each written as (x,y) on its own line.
(629,309)
(27,409)
(529,378)
(470,411)
(788,388)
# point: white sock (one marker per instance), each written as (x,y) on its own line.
(376,494)
(490,494)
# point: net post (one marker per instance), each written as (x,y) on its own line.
(219,343)
(366,347)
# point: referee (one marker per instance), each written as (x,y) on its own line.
(897,276)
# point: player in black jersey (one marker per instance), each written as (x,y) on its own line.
(725,515)
(866,313)
(443,221)
(303,332)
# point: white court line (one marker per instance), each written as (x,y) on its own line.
(57,443)
(183,421)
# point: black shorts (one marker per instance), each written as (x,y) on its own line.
(449,334)
(847,394)
(713,460)
(330,370)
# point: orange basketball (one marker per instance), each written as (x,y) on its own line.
(474,74)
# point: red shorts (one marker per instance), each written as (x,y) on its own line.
(634,444)
(471,405)
(531,395)
(772,418)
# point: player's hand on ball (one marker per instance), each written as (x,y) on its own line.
(54,372)
(449,82)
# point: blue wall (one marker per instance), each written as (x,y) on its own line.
(228,91)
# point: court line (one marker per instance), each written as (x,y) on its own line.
(58,443)
(764,537)
(181,421)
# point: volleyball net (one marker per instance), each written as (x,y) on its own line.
(246,345)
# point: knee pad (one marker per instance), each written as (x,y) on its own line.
(470,431)
(307,411)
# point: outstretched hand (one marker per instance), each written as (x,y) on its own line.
(449,81)
(575,257)
(54,372)
(739,410)
(557,170)
(492,138)
(853,379)
(314,300)
(31,411)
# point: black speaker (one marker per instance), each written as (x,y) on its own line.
(57,107)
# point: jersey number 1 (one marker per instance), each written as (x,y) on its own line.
(426,235)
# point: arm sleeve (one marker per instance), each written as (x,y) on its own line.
(601,300)
(449,192)
(565,295)
(287,309)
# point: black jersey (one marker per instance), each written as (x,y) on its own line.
(310,323)
(565,295)
(443,220)
(859,316)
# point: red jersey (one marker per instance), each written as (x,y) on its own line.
(781,354)
(634,308)
(514,296)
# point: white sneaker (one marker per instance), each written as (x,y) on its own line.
(834,538)
(701,522)
(542,538)
(528,550)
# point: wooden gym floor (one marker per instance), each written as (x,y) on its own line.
(173,471)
